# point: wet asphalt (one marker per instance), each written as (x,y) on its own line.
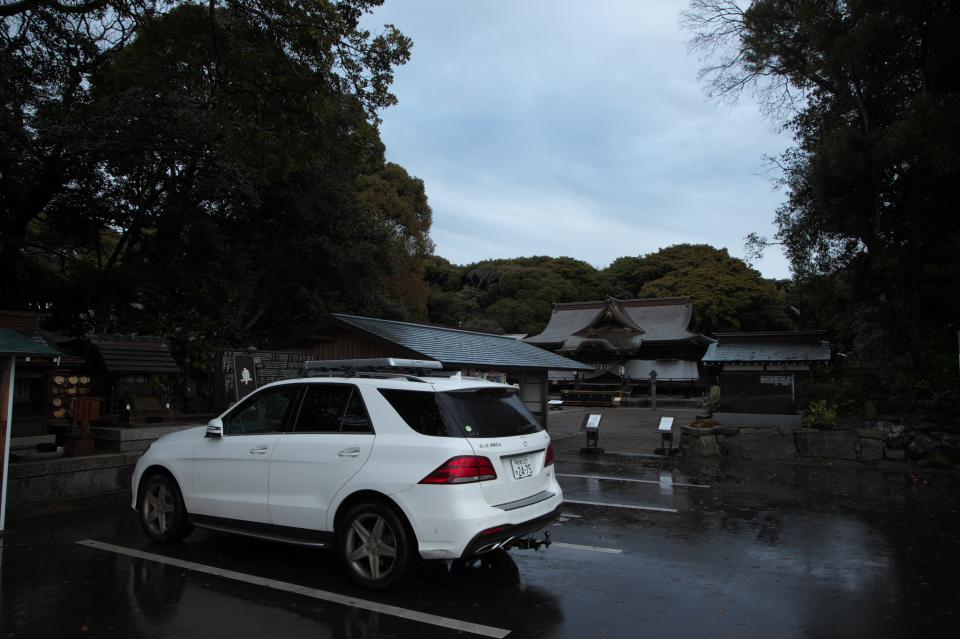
(778,550)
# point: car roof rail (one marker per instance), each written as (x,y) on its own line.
(367,374)
(372,367)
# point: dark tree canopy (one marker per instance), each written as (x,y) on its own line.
(511,295)
(517,295)
(214,175)
(727,294)
(871,91)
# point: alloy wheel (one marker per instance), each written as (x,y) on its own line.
(371,546)
(159,509)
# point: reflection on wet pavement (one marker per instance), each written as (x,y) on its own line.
(765,551)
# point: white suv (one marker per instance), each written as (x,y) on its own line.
(386,469)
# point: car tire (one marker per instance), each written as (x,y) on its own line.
(163,515)
(375,547)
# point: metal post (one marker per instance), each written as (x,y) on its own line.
(653,390)
(6,433)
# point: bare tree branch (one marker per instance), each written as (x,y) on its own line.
(8,9)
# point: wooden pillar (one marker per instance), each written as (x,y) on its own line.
(7,373)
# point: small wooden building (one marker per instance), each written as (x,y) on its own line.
(134,377)
(758,372)
(31,393)
(14,347)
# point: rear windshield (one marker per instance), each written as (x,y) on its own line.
(479,413)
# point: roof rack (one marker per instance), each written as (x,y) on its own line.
(371,364)
(367,374)
(372,367)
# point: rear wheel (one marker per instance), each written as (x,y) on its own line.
(375,547)
(163,515)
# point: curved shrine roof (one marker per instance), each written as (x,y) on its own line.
(664,319)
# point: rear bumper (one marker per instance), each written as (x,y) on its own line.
(486,542)
(449,520)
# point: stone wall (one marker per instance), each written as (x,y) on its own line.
(39,487)
(877,440)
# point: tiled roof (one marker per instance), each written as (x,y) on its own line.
(785,351)
(662,319)
(142,355)
(457,347)
(14,343)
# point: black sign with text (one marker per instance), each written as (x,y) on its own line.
(245,371)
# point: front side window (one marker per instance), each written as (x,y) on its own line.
(264,412)
(332,408)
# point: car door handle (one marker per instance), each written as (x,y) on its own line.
(259,450)
(349,452)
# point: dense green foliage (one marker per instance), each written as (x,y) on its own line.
(509,296)
(516,296)
(212,172)
(871,91)
(727,294)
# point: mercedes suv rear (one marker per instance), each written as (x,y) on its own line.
(386,469)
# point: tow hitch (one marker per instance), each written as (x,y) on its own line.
(525,543)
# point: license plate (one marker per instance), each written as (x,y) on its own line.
(522,467)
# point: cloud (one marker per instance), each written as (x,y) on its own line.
(572,128)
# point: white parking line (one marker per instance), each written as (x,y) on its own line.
(611,551)
(611,505)
(629,479)
(323,595)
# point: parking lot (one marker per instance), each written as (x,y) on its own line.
(643,549)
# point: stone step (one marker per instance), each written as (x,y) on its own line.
(31,443)
(133,438)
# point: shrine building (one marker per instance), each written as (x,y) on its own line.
(627,340)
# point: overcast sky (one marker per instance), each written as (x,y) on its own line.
(572,128)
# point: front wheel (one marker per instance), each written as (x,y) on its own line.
(163,515)
(375,547)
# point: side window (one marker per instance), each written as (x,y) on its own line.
(419,409)
(355,419)
(323,408)
(262,413)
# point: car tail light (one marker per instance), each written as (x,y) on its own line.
(549,461)
(462,470)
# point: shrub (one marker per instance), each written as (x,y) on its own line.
(820,415)
(713,400)
(939,459)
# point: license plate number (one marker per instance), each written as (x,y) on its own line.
(522,467)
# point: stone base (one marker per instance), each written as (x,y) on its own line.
(132,438)
(761,444)
(828,444)
(58,480)
(749,419)
(870,450)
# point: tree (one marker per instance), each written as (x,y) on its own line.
(512,295)
(870,90)
(50,149)
(727,294)
(399,203)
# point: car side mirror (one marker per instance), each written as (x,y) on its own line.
(215,428)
